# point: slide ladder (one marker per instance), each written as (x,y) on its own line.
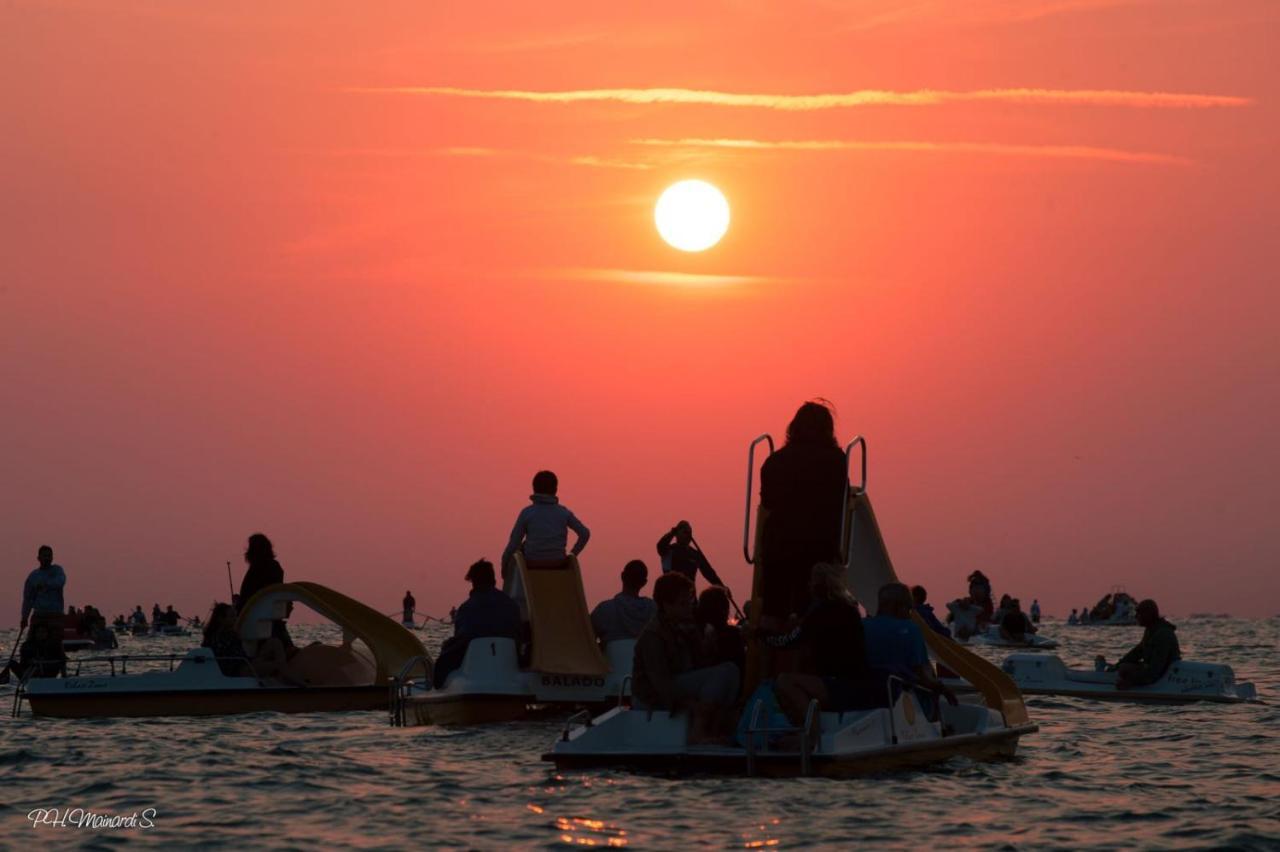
(563,639)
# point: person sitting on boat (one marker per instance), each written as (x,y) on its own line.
(1151,657)
(925,610)
(836,672)
(802,488)
(1073,618)
(678,553)
(264,570)
(973,614)
(665,673)
(1035,610)
(1084,615)
(541,532)
(119,622)
(408,606)
(42,593)
(41,654)
(171,616)
(895,645)
(723,642)
(485,613)
(221,637)
(625,615)
(1015,626)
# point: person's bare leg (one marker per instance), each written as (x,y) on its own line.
(795,691)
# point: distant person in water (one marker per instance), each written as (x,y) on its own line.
(541,533)
(138,617)
(837,673)
(679,554)
(895,645)
(1084,615)
(42,593)
(920,597)
(1035,610)
(171,616)
(1073,618)
(625,615)
(722,642)
(408,605)
(485,613)
(263,571)
(1151,657)
(667,671)
(802,488)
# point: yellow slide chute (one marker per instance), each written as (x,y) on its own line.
(391,644)
(563,640)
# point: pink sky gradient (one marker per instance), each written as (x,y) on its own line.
(312,269)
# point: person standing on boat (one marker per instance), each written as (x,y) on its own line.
(485,613)
(408,605)
(1150,658)
(625,615)
(139,617)
(42,593)
(678,554)
(1035,610)
(802,488)
(541,532)
(263,571)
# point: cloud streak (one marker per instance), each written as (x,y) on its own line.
(651,277)
(1073,152)
(844,100)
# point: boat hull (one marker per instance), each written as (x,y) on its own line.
(290,699)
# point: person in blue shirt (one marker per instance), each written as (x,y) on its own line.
(541,532)
(485,613)
(925,610)
(895,645)
(42,593)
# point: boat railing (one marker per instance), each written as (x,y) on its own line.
(584,715)
(860,442)
(751,472)
(622,689)
(401,685)
(812,720)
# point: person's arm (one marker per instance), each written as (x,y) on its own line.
(56,580)
(664,543)
(708,573)
(1134,656)
(514,540)
(580,528)
(929,680)
(1157,661)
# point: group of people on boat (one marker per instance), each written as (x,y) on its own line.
(977,613)
(1114,608)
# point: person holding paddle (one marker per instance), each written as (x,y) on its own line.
(681,554)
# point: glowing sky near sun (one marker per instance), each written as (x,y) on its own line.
(349,274)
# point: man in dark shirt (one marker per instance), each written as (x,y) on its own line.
(485,613)
(679,555)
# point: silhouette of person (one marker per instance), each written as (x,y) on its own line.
(263,571)
(42,592)
(802,488)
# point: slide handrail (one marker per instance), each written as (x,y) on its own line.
(751,470)
(859,441)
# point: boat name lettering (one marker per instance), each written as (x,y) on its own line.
(573,680)
(81,818)
(85,683)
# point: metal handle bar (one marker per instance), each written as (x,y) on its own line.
(861,442)
(751,470)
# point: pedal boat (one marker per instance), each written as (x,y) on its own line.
(993,638)
(1184,682)
(829,744)
(567,670)
(352,676)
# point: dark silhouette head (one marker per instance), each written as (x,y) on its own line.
(813,423)
(1148,613)
(919,595)
(259,549)
(895,601)
(684,533)
(673,593)
(713,606)
(827,583)
(545,482)
(480,575)
(44,556)
(634,576)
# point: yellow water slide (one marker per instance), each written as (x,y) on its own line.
(391,644)
(563,639)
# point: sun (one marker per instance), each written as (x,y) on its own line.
(692,215)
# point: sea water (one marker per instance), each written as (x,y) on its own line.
(1096,774)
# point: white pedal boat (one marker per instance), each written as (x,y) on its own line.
(490,686)
(1184,682)
(993,639)
(842,744)
(347,677)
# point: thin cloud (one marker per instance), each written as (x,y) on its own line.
(1074,152)
(845,100)
(651,277)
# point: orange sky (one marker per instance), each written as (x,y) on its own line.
(350,273)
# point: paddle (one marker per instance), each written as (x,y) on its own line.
(4,675)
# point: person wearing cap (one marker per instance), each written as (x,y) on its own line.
(1150,658)
(625,615)
(485,613)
